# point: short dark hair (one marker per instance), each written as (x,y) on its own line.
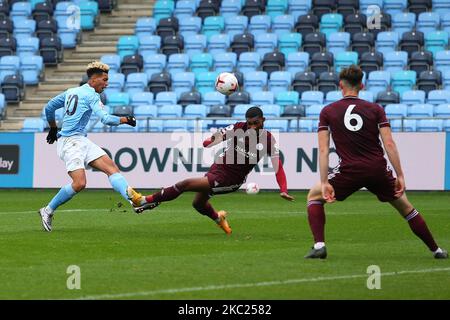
(352,75)
(96,67)
(254,112)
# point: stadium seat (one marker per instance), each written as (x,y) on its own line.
(122,111)
(412,41)
(276,125)
(304,81)
(51,50)
(242,43)
(154,63)
(207,8)
(201,62)
(287,98)
(184,9)
(413,97)
(276,8)
(312,97)
(421,61)
(436,41)
(136,82)
(314,110)
(333,96)
(195,111)
(127,45)
(282,24)
(172,44)
(395,61)
(371,61)
(149,44)
(297,62)
(314,42)
(235,24)
(205,81)
(183,82)
(170,111)
(302,125)
(160,82)
(118,99)
(31,69)
(396,110)
(345,59)
(116,83)
(230,8)
(259,24)
(331,23)
(42,11)
(403,22)
(428,22)
(362,42)
(441,7)
(273,61)
(219,111)
(307,23)
(213,25)
(355,23)
(395,6)
(218,43)
(240,97)
(299,7)
(27,46)
(328,81)
(387,41)
(163,9)
(271,110)
(131,64)
(322,7)
(145,26)
(194,44)
(174,125)
(419,6)
(437,97)
(166,98)
(420,110)
(225,62)
(366,95)
(262,97)
(178,62)
(429,125)
(293,111)
(280,81)
(189,98)
(265,43)
(249,61)
(442,110)
(289,43)
(33,125)
(255,81)
(141,98)
(112,60)
(145,111)
(403,81)
(387,97)
(190,26)
(442,61)
(213,98)
(429,80)
(321,62)
(9,65)
(240,110)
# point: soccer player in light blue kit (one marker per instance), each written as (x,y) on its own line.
(73,147)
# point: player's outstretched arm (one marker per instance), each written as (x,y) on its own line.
(324,151)
(215,139)
(281,178)
(394,158)
(53,105)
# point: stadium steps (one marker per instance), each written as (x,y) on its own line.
(68,74)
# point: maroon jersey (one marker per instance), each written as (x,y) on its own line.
(244,149)
(354,126)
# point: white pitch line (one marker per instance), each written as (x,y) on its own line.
(256,284)
(67,210)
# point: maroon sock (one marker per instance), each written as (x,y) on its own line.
(165,194)
(420,229)
(207,210)
(316,219)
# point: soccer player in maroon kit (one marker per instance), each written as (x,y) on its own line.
(247,143)
(355,126)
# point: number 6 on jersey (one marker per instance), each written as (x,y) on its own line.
(348,117)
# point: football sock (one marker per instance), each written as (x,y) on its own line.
(208,210)
(420,229)
(165,194)
(119,184)
(65,194)
(319,245)
(316,219)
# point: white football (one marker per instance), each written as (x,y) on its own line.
(227,83)
(252,188)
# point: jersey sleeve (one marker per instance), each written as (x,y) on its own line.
(323,121)
(99,109)
(53,105)
(381,118)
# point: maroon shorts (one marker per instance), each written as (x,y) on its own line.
(379,181)
(221,181)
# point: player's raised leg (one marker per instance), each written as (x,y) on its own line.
(418,225)
(202,205)
(316,220)
(65,194)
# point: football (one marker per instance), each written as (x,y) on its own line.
(252,188)
(227,83)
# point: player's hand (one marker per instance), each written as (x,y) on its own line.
(399,186)
(328,192)
(286,196)
(131,121)
(52,135)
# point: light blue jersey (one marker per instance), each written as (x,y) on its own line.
(78,103)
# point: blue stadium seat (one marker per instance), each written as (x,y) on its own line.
(166,98)
(31,69)
(442,61)
(396,110)
(190,26)
(393,7)
(436,41)
(183,82)
(136,82)
(20,11)
(442,110)
(420,110)
(127,45)
(406,125)
(445,22)
(364,4)
(262,97)
(240,110)
(333,96)
(437,97)
(366,95)
(112,60)
(125,129)
(413,97)
(230,8)
(265,43)
(201,62)
(194,44)
(287,98)
(149,44)
(395,61)
(89,13)
(141,98)
(213,25)
(145,111)
(282,24)
(205,81)
(289,42)
(378,81)
(195,111)
(170,111)
(255,81)
(145,26)
(185,9)
(330,23)
(276,125)
(403,22)
(199,125)
(345,59)
(313,110)
(163,9)
(154,63)
(299,7)
(213,98)
(33,125)
(276,8)
(302,125)
(271,110)
(235,25)
(27,46)
(338,42)
(280,81)
(25,28)
(218,43)
(178,62)
(297,62)
(441,6)
(116,82)
(429,125)
(387,41)
(249,61)
(153,126)
(118,99)
(225,62)
(312,97)
(259,24)
(403,81)
(428,22)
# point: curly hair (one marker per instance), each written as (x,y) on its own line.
(96,67)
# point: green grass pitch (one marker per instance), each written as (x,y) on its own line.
(175,253)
